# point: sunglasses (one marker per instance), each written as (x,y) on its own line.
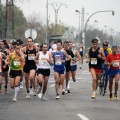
(105,45)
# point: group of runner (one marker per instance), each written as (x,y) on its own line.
(100,58)
(34,63)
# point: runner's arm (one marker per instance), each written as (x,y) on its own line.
(3,55)
(107,63)
(22,57)
(7,60)
(67,56)
(78,56)
(37,57)
(50,60)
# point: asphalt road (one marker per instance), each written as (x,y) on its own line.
(76,105)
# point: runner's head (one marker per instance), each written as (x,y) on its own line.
(20,42)
(30,42)
(114,49)
(94,43)
(17,47)
(59,45)
(44,47)
(66,45)
(2,44)
(105,45)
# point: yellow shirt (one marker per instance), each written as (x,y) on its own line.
(15,63)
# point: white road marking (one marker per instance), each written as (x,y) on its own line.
(82,117)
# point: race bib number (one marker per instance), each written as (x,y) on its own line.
(31,56)
(16,63)
(58,60)
(44,61)
(94,61)
(116,63)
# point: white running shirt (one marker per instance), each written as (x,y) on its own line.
(43,63)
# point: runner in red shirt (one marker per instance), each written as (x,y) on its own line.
(113,60)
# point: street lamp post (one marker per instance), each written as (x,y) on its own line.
(79,21)
(46,40)
(97,27)
(91,16)
(105,32)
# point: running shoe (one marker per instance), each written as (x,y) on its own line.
(74,80)
(93,95)
(66,91)
(28,96)
(40,95)
(110,97)
(69,91)
(57,96)
(116,96)
(14,99)
(80,67)
(43,98)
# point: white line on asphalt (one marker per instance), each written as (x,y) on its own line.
(82,117)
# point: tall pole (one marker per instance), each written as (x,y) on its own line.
(56,12)
(79,22)
(46,40)
(82,24)
(97,28)
(94,14)
(105,32)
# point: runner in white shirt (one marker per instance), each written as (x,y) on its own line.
(81,52)
(43,60)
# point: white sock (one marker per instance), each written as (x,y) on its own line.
(68,86)
(16,91)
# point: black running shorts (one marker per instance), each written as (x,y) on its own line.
(14,73)
(44,72)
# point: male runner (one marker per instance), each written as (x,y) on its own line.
(15,60)
(95,57)
(81,52)
(30,65)
(60,57)
(5,68)
(107,51)
(113,60)
(77,57)
(43,60)
(68,67)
